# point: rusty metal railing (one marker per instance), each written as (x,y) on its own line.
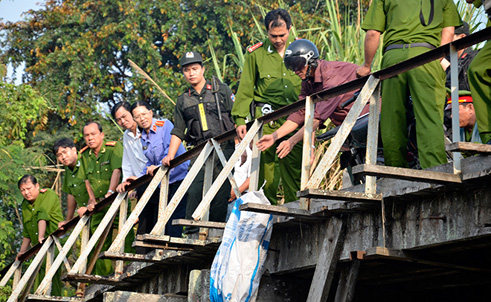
(369,94)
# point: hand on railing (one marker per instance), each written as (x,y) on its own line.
(362,71)
(241,131)
(61,224)
(122,186)
(166,160)
(151,169)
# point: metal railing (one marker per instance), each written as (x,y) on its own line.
(205,156)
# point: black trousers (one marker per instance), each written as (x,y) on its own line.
(218,206)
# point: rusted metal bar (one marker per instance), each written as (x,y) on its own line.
(123,210)
(31,271)
(60,247)
(10,272)
(205,203)
(142,202)
(77,267)
(183,188)
(454,79)
(254,184)
(372,139)
(81,225)
(307,150)
(336,143)
(223,160)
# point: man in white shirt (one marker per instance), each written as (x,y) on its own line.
(134,160)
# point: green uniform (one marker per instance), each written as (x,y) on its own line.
(74,183)
(479,75)
(45,207)
(402,23)
(98,170)
(266,80)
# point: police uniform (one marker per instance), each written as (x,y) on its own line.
(46,207)
(412,28)
(98,170)
(480,82)
(270,85)
(155,145)
(191,110)
(74,183)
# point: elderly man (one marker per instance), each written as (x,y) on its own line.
(269,85)
(41,213)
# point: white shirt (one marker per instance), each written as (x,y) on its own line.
(241,173)
(133,159)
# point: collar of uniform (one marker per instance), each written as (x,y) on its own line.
(192,91)
(103,148)
(269,47)
(153,128)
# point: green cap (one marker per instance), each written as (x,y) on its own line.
(191,57)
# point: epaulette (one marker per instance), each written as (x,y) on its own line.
(254,47)
(112,143)
(160,123)
(43,190)
(83,149)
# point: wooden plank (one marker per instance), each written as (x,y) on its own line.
(330,250)
(407,174)
(199,223)
(275,210)
(96,279)
(378,253)
(469,148)
(347,282)
(39,298)
(150,257)
(177,241)
(340,195)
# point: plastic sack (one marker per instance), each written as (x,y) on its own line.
(238,264)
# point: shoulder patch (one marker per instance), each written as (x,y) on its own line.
(254,47)
(160,123)
(112,143)
(43,190)
(83,149)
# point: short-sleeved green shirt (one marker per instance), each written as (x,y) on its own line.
(401,21)
(45,207)
(265,79)
(74,183)
(98,170)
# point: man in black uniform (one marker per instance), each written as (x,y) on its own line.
(196,111)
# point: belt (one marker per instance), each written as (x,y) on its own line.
(396,46)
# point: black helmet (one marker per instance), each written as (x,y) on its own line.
(300,54)
(191,57)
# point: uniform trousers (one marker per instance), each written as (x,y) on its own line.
(288,170)
(479,75)
(426,86)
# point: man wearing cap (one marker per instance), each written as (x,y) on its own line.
(466,55)
(197,112)
(467,119)
(479,74)
(269,85)
(410,28)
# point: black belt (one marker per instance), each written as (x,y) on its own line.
(397,46)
